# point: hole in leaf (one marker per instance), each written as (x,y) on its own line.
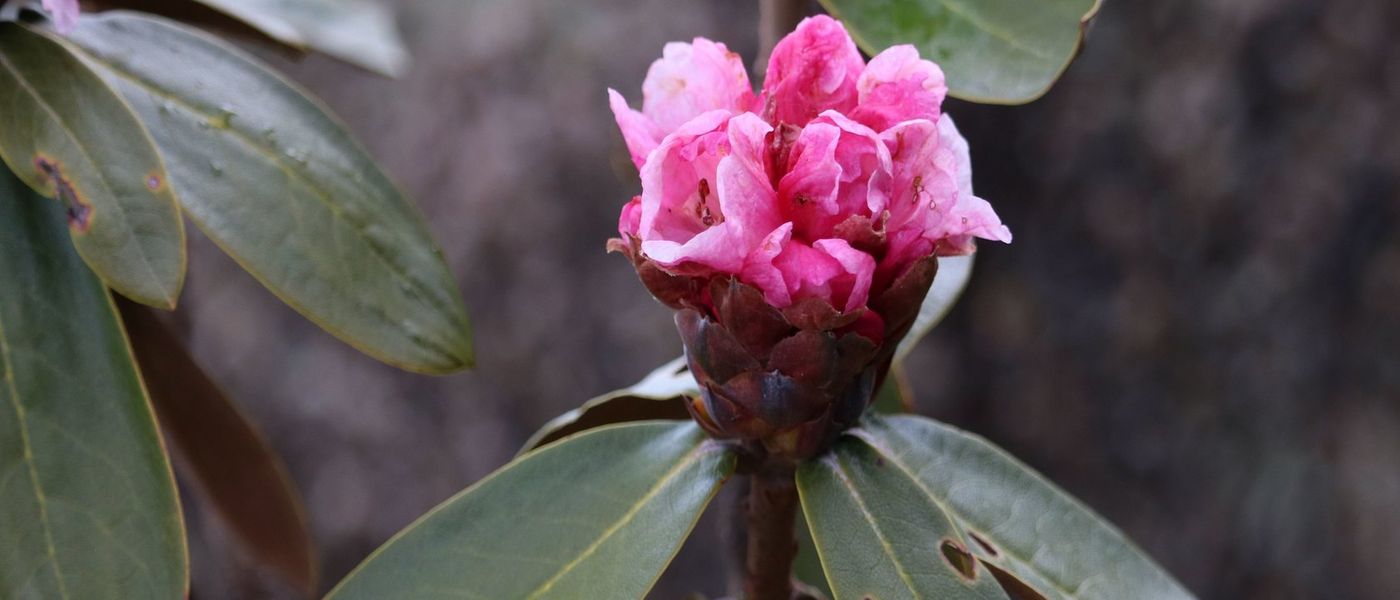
(985,544)
(1015,588)
(960,559)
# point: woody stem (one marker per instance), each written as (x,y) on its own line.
(772,511)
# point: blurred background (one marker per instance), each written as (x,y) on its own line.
(1196,331)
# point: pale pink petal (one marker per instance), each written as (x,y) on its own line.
(899,86)
(64,14)
(678,179)
(969,216)
(811,70)
(747,200)
(690,79)
(860,270)
(640,133)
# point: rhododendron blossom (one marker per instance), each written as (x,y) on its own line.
(827,184)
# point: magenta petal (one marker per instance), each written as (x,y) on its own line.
(811,70)
(64,14)
(899,86)
(859,265)
(639,132)
(760,272)
(690,79)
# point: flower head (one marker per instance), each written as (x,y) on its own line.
(810,211)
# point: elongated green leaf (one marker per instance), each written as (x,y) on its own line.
(237,472)
(68,135)
(659,395)
(361,32)
(953,274)
(597,515)
(87,503)
(881,535)
(283,188)
(997,51)
(1028,530)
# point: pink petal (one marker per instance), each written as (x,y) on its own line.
(760,272)
(640,133)
(690,79)
(858,265)
(678,182)
(746,197)
(899,86)
(64,14)
(631,218)
(969,216)
(811,70)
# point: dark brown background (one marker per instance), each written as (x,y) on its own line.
(1196,330)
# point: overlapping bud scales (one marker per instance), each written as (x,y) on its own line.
(795,230)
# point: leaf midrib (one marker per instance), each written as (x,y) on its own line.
(691,456)
(854,491)
(955,516)
(39,496)
(82,149)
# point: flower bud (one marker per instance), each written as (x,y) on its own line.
(796,231)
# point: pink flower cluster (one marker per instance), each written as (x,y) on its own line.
(826,184)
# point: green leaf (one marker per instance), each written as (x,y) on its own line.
(87,503)
(953,274)
(881,535)
(68,135)
(284,189)
(597,515)
(996,51)
(1029,531)
(360,32)
(659,395)
(237,472)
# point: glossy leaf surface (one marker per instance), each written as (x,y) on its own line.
(361,32)
(596,515)
(69,136)
(235,469)
(1022,525)
(998,51)
(284,189)
(881,535)
(87,503)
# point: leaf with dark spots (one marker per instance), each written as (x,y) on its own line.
(70,136)
(1018,524)
(880,534)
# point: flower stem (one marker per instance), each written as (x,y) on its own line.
(776,18)
(772,512)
